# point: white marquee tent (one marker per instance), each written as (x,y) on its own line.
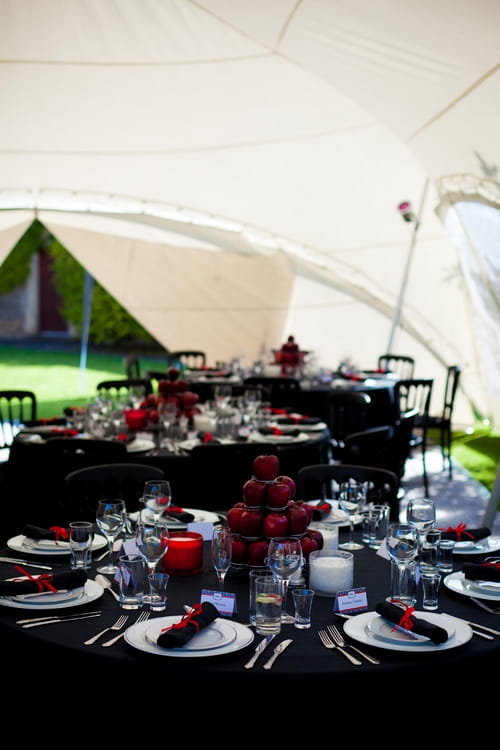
(231,170)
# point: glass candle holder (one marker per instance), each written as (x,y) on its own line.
(184,556)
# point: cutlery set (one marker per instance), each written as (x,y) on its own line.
(34,622)
(262,646)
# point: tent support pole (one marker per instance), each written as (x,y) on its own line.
(409,258)
(87,310)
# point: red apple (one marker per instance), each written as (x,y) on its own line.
(254,492)
(257,552)
(290,482)
(251,522)
(234,517)
(266,467)
(316,534)
(308,508)
(239,550)
(278,495)
(298,519)
(308,545)
(276,524)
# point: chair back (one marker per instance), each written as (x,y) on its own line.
(123,387)
(85,487)
(132,367)
(348,411)
(192,359)
(322,481)
(450,391)
(401,365)
(16,407)
(415,394)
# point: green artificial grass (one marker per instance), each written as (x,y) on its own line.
(57,380)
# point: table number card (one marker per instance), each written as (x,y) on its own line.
(222,600)
(351,601)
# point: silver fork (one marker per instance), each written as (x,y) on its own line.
(491,610)
(327,643)
(142,618)
(118,624)
(340,641)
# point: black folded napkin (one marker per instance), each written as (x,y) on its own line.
(482,571)
(179,514)
(72,579)
(321,510)
(298,421)
(461,533)
(178,634)
(275,431)
(407,620)
(38,532)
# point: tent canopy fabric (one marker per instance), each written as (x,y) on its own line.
(231,171)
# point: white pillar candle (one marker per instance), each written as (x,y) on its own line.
(331,572)
(330,538)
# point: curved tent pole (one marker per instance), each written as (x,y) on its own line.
(409,257)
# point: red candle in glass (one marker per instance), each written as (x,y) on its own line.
(136,419)
(184,556)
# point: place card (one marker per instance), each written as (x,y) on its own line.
(222,600)
(352,600)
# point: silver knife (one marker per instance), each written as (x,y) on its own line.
(25,563)
(473,624)
(260,648)
(58,619)
(54,617)
(277,651)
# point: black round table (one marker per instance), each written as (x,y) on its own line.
(306,681)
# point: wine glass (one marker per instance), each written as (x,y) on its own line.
(352,498)
(222,395)
(152,542)
(111,518)
(222,551)
(284,558)
(402,546)
(421,514)
(156,497)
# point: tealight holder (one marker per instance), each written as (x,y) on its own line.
(184,556)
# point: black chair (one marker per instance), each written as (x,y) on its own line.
(324,480)
(219,472)
(117,389)
(284,391)
(401,365)
(443,421)
(16,407)
(348,412)
(192,359)
(84,487)
(416,394)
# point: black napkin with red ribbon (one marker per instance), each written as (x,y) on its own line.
(298,420)
(487,571)
(72,579)
(60,421)
(404,618)
(178,634)
(461,533)
(55,533)
(179,514)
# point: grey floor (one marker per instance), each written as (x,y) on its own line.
(461,500)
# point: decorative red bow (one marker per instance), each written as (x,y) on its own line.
(188,619)
(64,432)
(492,564)
(405,621)
(59,532)
(42,582)
(459,531)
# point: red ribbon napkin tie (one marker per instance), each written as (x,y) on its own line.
(42,582)
(187,619)
(459,531)
(405,621)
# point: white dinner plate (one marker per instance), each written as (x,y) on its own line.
(457,582)
(91,591)
(135,636)
(383,630)
(359,628)
(140,446)
(482,547)
(318,427)
(336,516)
(257,437)
(47,546)
(50,598)
(219,633)
(200,516)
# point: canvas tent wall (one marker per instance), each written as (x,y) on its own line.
(230,171)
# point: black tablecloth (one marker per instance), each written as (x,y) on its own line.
(221,687)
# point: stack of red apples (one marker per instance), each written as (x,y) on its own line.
(269,509)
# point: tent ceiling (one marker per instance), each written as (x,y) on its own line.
(230,171)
